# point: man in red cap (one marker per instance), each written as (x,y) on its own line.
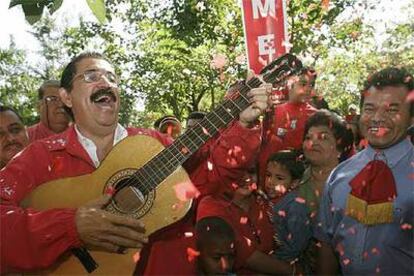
(366,213)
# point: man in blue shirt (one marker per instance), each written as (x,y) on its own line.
(368,234)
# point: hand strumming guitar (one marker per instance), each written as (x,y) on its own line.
(105,231)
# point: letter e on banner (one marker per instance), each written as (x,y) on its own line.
(265,31)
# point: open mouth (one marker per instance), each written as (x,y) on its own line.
(378,131)
(103,97)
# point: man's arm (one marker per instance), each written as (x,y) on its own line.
(31,239)
(225,158)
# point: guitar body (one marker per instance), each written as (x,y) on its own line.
(156,209)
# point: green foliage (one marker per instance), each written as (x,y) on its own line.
(18,87)
(163,51)
(98,9)
(33,9)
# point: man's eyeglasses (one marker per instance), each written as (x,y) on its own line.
(92,76)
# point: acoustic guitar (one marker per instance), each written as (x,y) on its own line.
(149,181)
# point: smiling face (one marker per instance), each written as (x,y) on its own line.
(13,136)
(385,116)
(95,102)
(319,146)
(278,180)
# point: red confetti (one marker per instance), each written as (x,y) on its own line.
(351,231)
(110,190)
(406,226)
(185,191)
(136,257)
(249,242)
(253,187)
(325,5)
(410,96)
(188,234)
(243,220)
(205,131)
(281,213)
(346,261)
(300,200)
(375,251)
(184,150)
(224,264)
(192,254)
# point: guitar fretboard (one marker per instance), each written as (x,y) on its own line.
(167,161)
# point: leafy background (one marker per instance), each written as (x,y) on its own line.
(163,51)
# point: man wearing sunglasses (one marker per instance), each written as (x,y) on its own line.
(53,117)
(32,239)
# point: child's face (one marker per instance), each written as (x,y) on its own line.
(217,258)
(278,180)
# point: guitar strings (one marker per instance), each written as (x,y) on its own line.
(167,166)
(143,176)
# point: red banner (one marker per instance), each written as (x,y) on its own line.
(265,31)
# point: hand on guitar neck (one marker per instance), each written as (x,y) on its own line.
(259,99)
(102,230)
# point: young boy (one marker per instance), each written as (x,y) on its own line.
(288,212)
(215,242)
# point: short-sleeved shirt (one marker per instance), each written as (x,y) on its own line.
(369,249)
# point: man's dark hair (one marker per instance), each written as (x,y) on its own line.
(70,71)
(46,84)
(331,120)
(391,76)
(196,115)
(4,108)
(290,160)
(212,228)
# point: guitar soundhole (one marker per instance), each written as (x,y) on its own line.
(128,199)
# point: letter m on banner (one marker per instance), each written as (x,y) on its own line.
(265,31)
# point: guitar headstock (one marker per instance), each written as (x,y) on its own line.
(281,68)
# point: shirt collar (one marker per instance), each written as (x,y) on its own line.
(391,155)
(90,147)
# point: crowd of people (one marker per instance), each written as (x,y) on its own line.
(288,187)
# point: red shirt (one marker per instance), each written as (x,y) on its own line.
(39,131)
(33,239)
(233,154)
(253,228)
(288,123)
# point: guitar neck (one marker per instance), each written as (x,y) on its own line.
(167,161)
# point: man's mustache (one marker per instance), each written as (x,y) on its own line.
(103,92)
